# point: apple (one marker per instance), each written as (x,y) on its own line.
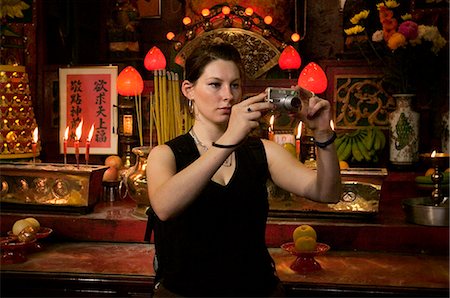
(305,243)
(304,231)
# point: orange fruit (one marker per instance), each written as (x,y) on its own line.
(111,174)
(114,161)
(429,172)
(343,164)
(305,243)
(19,225)
(34,223)
(304,231)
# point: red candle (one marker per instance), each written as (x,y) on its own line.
(77,152)
(297,139)
(271,132)
(34,143)
(66,136)
(78,132)
(88,143)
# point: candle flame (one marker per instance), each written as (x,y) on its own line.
(299,130)
(332,124)
(79,130)
(91,133)
(272,119)
(433,154)
(35,135)
(66,134)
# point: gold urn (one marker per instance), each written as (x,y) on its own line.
(136,182)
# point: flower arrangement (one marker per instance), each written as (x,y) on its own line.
(406,49)
(12,8)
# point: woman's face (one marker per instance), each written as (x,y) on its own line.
(216,91)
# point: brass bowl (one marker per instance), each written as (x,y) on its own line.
(422,211)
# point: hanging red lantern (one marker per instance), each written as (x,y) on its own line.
(155,60)
(313,78)
(289,59)
(129,82)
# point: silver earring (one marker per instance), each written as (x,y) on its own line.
(191,106)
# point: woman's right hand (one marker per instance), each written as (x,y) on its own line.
(245,117)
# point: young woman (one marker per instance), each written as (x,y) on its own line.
(208,190)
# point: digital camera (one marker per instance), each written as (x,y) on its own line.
(284,98)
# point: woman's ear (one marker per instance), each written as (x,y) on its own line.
(187,89)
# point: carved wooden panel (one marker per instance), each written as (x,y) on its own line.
(357,95)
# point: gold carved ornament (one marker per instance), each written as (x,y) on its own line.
(258,54)
(362,102)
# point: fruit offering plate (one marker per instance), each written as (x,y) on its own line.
(425,182)
(13,251)
(42,233)
(305,261)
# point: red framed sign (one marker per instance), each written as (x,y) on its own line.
(89,94)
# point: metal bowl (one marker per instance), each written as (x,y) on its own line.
(423,212)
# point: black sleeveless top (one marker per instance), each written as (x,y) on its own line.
(216,247)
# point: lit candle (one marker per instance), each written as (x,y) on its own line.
(78,132)
(66,137)
(297,139)
(433,158)
(271,132)
(88,144)
(34,143)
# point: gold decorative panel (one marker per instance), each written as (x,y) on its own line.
(257,53)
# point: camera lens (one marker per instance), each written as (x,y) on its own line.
(292,103)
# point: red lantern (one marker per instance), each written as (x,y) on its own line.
(129,82)
(289,58)
(155,60)
(313,78)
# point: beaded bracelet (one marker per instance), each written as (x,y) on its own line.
(327,142)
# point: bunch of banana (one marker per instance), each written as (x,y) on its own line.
(361,144)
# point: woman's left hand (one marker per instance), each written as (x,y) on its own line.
(315,111)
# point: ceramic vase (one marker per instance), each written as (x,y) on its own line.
(403,132)
(136,182)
